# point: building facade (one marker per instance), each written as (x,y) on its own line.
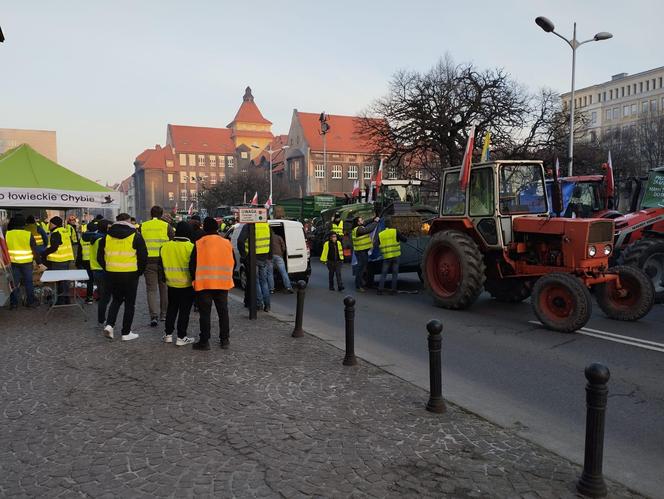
(614,106)
(42,141)
(193,157)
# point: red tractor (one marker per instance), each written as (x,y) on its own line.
(639,236)
(497,234)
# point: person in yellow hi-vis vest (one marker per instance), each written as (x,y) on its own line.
(22,252)
(83,260)
(123,256)
(59,255)
(362,244)
(174,270)
(263,254)
(155,232)
(96,231)
(390,247)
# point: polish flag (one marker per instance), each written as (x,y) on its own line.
(191,209)
(379,176)
(467,160)
(557,167)
(268,203)
(610,186)
(254,200)
(356,189)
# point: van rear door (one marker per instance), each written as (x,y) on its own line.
(296,259)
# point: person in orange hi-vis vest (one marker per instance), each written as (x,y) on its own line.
(211,265)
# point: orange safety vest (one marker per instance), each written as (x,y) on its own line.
(214,263)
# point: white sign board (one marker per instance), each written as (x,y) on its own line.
(252,215)
(56,198)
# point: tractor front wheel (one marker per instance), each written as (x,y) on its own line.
(648,255)
(453,269)
(561,302)
(512,290)
(632,301)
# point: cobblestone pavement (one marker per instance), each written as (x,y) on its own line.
(273,416)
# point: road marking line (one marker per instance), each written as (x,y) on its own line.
(617,338)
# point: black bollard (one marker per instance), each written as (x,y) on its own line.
(349,315)
(298,332)
(591,482)
(435,340)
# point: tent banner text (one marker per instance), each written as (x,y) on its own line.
(56,198)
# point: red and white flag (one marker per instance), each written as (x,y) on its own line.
(557,167)
(191,209)
(254,200)
(464,177)
(268,203)
(610,186)
(379,175)
(356,189)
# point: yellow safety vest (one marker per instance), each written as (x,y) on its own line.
(85,245)
(155,233)
(65,252)
(175,256)
(120,254)
(18,242)
(338,229)
(389,246)
(326,249)
(73,234)
(32,228)
(94,263)
(262,239)
(362,242)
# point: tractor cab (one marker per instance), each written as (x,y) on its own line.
(497,193)
(583,196)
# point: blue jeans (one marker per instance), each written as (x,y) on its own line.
(389,264)
(281,267)
(270,275)
(262,286)
(362,262)
(22,272)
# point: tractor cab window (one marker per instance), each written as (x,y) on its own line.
(454,199)
(522,189)
(583,201)
(481,192)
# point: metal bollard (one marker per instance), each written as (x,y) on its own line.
(592,482)
(349,315)
(298,332)
(435,340)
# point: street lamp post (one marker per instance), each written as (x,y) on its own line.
(574,44)
(271,152)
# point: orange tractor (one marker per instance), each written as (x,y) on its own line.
(497,235)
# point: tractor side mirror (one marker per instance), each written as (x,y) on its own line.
(557,197)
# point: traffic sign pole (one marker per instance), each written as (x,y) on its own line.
(251,274)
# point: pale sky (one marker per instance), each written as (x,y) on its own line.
(108,76)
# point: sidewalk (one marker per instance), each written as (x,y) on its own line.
(274,416)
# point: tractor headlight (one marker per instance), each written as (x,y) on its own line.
(592,251)
(607,250)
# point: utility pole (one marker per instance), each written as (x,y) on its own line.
(324,128)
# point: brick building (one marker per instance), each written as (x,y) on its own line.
(171,176)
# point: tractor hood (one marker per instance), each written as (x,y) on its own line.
(601,229)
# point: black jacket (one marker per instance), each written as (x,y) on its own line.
(122,230)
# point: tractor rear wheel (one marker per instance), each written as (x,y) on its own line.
(512,290)
(630,303)
(453,269)
(561,302)
(648,255)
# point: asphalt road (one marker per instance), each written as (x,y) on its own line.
(500,364)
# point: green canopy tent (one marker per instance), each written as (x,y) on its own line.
(29,179)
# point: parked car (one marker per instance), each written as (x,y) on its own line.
(297,257)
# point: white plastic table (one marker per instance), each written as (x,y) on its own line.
(73,276)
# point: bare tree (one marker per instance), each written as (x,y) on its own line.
(233,190)
(649,138)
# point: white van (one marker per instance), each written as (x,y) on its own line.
(297,252)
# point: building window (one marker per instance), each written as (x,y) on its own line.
(634,88)
(418,174)
(183,195)
(644,107)
(183,177)
(244,154)
(230,161)
(336,171)
(616,113)
(590,99)
(368,171)
(626,110)
(610,94)
(629,89)
(171,196)
(201,160)
(183,159)
(593,117)
(608,115)
(192,177)
(392,172)
(192,160)
(222,175)
(213,178)
(192,194)
(622,91)
(634,109)
(319,170)
(585,100)
(213,161)
(604,96)
(352,172)
(295,169)
(599,97)
(170,178)
(660,82)
(653,106)
(640,87)
(169,163)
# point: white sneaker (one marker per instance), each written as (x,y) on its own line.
(108,331)
(130,336)
(184,341)
(167,338)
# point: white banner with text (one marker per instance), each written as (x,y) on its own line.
(56,198)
